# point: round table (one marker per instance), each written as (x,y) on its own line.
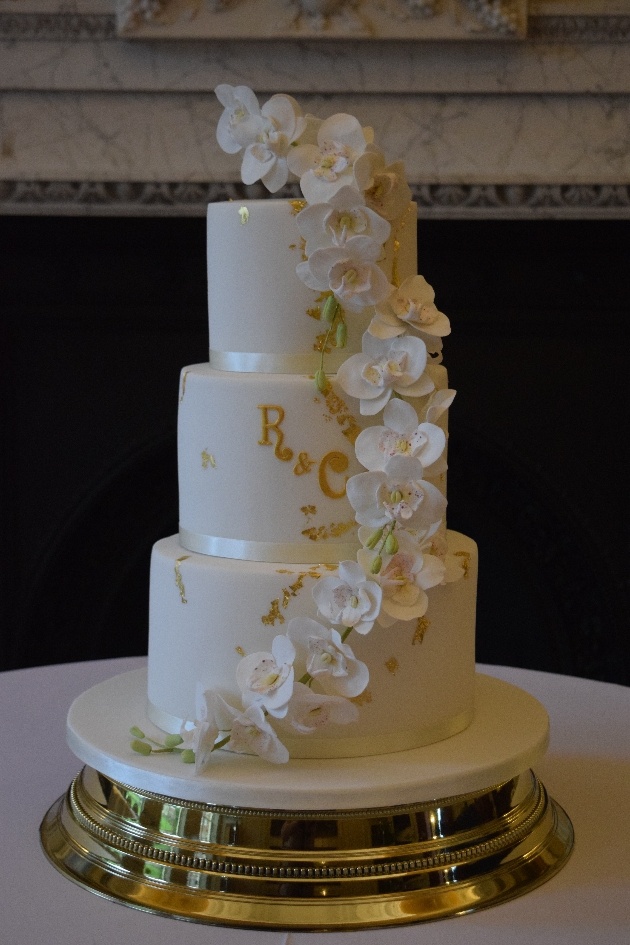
(587,770)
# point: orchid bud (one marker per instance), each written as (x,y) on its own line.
(342,335)
(171,741)
(142,748)
(330,309)
(391,544)
(188,756)
(377,564)
(321,381)
(136,732)
(374,539)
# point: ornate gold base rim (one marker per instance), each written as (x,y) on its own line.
(306,870)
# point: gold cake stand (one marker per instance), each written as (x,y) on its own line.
(321,870)
(437,831)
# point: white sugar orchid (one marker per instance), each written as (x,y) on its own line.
(412,304)
(350,272)
(249,732)
(310,711)
(401,435)
(328,165)
(404,577)
(329,660)
(385,366)
(266,134)
(201,734)
(345,215)
(397,494)
(385,186)
(437,404)
(266,679)
(348,598)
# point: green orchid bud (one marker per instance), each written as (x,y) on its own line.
(377,564)
(321,381)
(137,732)
(142,748)
(171,741)
(330,309)
(374,539)
(188,756)
(391,544)
(342,335)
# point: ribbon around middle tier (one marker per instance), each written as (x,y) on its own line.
(252,362)
(290,552)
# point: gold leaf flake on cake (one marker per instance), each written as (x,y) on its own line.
(274,614)
(179,580)
(363,698)
(326,532)
(297,206)
(339,410)
(421,628)
(240,650)
(392,665)
(464,557)
(207,459)
(309,511)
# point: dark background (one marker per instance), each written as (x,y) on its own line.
(98,317)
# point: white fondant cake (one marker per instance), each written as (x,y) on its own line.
(313,603)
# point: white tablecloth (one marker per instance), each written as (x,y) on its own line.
(587,770)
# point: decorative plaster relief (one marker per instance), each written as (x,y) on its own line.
(347,19)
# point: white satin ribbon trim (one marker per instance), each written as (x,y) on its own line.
(346,747)
(299,552)
(251,362)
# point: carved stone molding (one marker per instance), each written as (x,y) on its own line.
(118,198)
(322,19)
(65,27)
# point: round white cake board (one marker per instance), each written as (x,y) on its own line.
(508,735)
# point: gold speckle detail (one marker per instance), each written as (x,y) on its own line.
(243,213)
(465,561)
(392,665)
(207,459)
(297,206)
(421,628)
(338,409)
(240,650)
(179,580)
(309,511)
(363,698)
(274,614)
(324,532)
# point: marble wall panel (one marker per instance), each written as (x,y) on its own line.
(445,139)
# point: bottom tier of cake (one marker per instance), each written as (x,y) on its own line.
(206,613)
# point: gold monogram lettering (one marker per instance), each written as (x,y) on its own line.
(303,464)
(268,425)
(338,462)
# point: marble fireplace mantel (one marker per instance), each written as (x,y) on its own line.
(502,108)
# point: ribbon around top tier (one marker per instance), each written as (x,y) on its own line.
(252,362)
(289,552)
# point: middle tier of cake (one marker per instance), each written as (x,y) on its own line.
(263,465)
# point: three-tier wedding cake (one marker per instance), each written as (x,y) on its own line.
(313,603)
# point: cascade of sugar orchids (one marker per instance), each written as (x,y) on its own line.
(353,198)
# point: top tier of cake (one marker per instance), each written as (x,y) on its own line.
(262,317)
